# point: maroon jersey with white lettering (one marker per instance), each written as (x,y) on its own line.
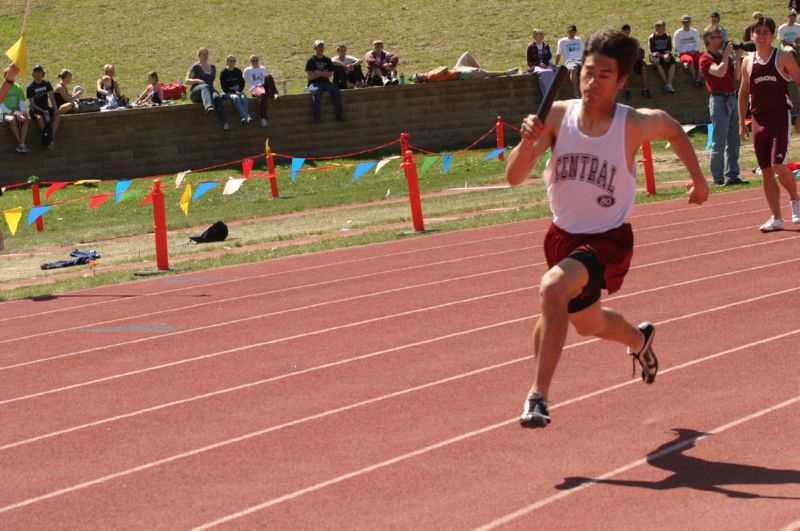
(769,90)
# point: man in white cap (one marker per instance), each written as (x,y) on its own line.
(687,45)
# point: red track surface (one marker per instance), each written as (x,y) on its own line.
(380,387)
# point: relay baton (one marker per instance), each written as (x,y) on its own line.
(555,87)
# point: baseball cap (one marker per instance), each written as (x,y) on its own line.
(38,67)
(686,18)
(318,42)
(714,14)
(572,27)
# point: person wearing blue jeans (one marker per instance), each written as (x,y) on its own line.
(231,81)
(319,70)
(201,78)
(721,69)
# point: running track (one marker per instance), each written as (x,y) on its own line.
(379,387)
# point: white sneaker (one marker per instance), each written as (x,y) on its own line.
(263,122)
(772,225)
(795,211)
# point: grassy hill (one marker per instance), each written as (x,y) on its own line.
(164,36)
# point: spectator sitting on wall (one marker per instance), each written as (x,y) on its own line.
(465,68)
(64,99)
(231,81)
(200,78)
(44,109)
(714,24)
(660,44)
(789,34)
(108,85)
(153,94)
(381,66)
(540,59)
(319,70)
(687,45)
(12,112)
(639,67)
(347,71)
(261,84)
(570,51)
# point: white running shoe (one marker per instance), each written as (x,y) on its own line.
(795,211)
(772,225)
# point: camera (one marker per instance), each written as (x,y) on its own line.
(747,46)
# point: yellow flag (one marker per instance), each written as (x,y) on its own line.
(12,218)
(18,54)
(186,198)
(267,150)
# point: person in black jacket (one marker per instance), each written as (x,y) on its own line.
(231,81)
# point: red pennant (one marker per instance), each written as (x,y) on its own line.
(52,189)
(247,165)
(98,200)
(147,200)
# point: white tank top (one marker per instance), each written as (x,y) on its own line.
(589,185)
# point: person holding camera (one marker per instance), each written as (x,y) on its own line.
(765,85)
(721,70)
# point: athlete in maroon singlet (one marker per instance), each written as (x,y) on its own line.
(765,86)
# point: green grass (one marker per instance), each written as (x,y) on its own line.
(164,36)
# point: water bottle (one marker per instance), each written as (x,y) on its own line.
(283,87)
(402,79)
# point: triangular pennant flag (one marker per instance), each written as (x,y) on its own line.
(12,219)
(384,162)
(710,136)
(546,155)
(203,188)
(186,198)
(427,164)
(98,200)
(18,53)
(363,168)
(52,189)
(37,212)
(296,165)
(232,186)
(147,200)
(494,154)
(446,160)
(180,177)
(128,195)
(247,165)
(122,186)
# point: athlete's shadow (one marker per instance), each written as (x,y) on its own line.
(694,473)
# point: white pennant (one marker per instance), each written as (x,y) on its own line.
(180,178)
(232,186)
(384,162)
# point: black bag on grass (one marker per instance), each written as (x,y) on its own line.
(215,233)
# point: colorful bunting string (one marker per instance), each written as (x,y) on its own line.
(232,186)
(202,188)
(297,163)
(363,168)
(12,219)
(37,212)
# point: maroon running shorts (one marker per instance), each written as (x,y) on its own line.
(771,134)
(609,258)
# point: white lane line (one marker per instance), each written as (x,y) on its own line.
(368,355)
(676,447)
(464,436)
(39,314)
(14,315)
(261,316)
(272,292)
(388,462)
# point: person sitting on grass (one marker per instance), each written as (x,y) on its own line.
(347,71)
(65,100)
(381,66)
(108,85)
(153,94)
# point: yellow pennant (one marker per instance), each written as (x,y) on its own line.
(12,218)
(186,198)
(18,53)
(267,150)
